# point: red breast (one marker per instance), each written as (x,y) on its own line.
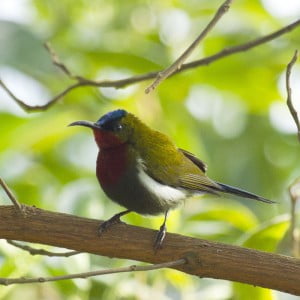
(106,139)
(111,165)
(112,157)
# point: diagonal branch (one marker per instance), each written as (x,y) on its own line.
(82,82)
(31,108)
(10,195)
(34,251)
(289,92)
(242,47)
(56,61)
(133,268)
(180,60)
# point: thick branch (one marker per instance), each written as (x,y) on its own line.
(82,82)
(205,259)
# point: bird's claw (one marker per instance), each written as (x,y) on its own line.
(113,220)
(160,237)
(105,225)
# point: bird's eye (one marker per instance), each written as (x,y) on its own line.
(118,127)
(112,126)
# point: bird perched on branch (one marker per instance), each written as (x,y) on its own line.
(142,170)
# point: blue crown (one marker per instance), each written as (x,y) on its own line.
(111,117)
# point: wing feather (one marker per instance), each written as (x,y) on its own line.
(199,163)
(198,183)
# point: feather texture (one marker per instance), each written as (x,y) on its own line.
(199,163)
(168,196)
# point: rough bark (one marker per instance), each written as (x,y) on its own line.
(205,258)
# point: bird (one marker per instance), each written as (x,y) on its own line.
(143,171)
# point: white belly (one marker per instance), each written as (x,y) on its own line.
(168,196)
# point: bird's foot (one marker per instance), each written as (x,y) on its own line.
(113,220)
(103,227)
(160,237)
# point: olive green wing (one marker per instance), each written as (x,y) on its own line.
(197,181)
(199,163)
(198,184)
(179,169)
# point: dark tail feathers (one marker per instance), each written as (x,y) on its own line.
(235,191)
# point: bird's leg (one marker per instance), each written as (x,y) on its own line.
(161,234)
(113,220)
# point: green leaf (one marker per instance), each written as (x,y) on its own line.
(235,214)
(248,292)
(267,236)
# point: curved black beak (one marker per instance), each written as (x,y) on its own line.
(85,123)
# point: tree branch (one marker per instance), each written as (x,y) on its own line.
(204,258)
(82,82)
(289,92)
(34,251)
(10,195)
(132,268)
(182,58)
(242,47)
(56,61)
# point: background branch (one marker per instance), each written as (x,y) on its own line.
(294,188)
(182,58)
(34,251)
(289,93)
(205,258)
(57,62)
(133,268)
(10,195)
(82,82)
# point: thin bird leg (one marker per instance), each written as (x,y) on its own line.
(161,234)
(113,220)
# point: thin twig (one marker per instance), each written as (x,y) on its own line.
(242,47)
(34,251)
(10,195)
(133,268)
(289,92)
(182,58)
(294,188)
(139,78)
(57,62)
(32,108)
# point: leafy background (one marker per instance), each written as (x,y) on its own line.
(232,114)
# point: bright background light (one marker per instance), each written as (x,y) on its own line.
(282,8)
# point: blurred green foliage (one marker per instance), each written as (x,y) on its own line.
(223,112)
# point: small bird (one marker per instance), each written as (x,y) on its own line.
(142,170)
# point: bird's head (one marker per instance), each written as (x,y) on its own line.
(113,129)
